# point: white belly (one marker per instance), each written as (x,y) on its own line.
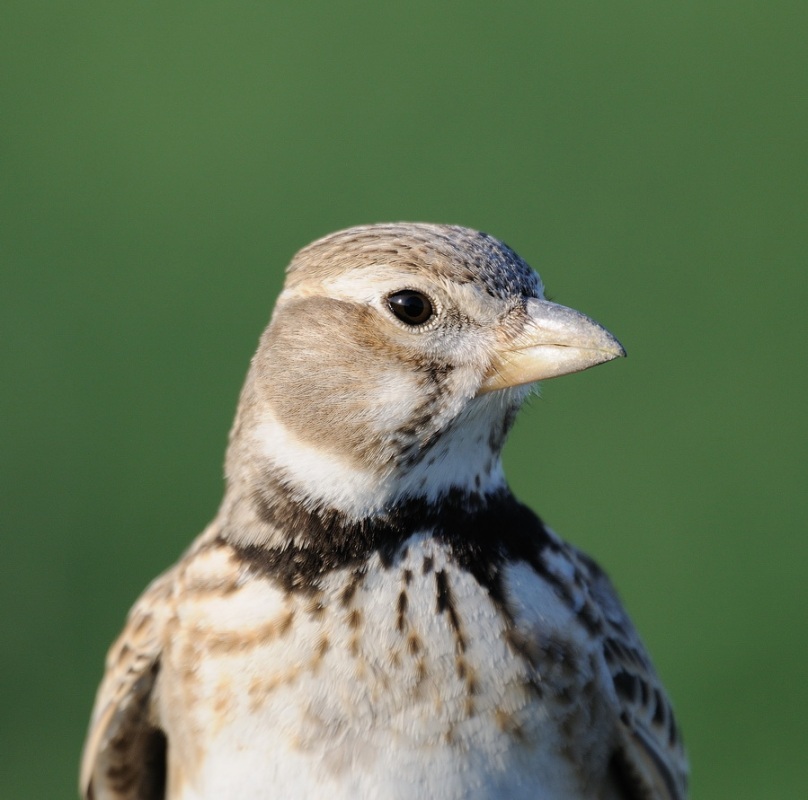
(375,696)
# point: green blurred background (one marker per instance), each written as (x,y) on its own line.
(161,162)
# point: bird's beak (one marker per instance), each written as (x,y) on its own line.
(555,340)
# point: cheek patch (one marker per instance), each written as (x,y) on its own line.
(333,380)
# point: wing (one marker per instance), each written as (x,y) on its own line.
(650,762)
(124,753)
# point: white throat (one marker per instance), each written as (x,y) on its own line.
(465,458)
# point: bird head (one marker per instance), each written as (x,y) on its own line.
(394,364)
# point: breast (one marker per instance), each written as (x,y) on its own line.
(393,680)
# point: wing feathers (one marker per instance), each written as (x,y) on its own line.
(124,754)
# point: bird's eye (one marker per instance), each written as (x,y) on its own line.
(411,307)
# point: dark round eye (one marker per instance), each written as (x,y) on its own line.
(411,307)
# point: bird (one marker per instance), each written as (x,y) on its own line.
(372,613)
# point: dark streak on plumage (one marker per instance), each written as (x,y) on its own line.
(521,646)
(498,434)
(401,618)
(616,651)
(357,576)
(673,730)
(446,605)
(482,532)
(627,685)
(644,692)
(660,706)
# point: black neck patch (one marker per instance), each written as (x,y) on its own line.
(481,532)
